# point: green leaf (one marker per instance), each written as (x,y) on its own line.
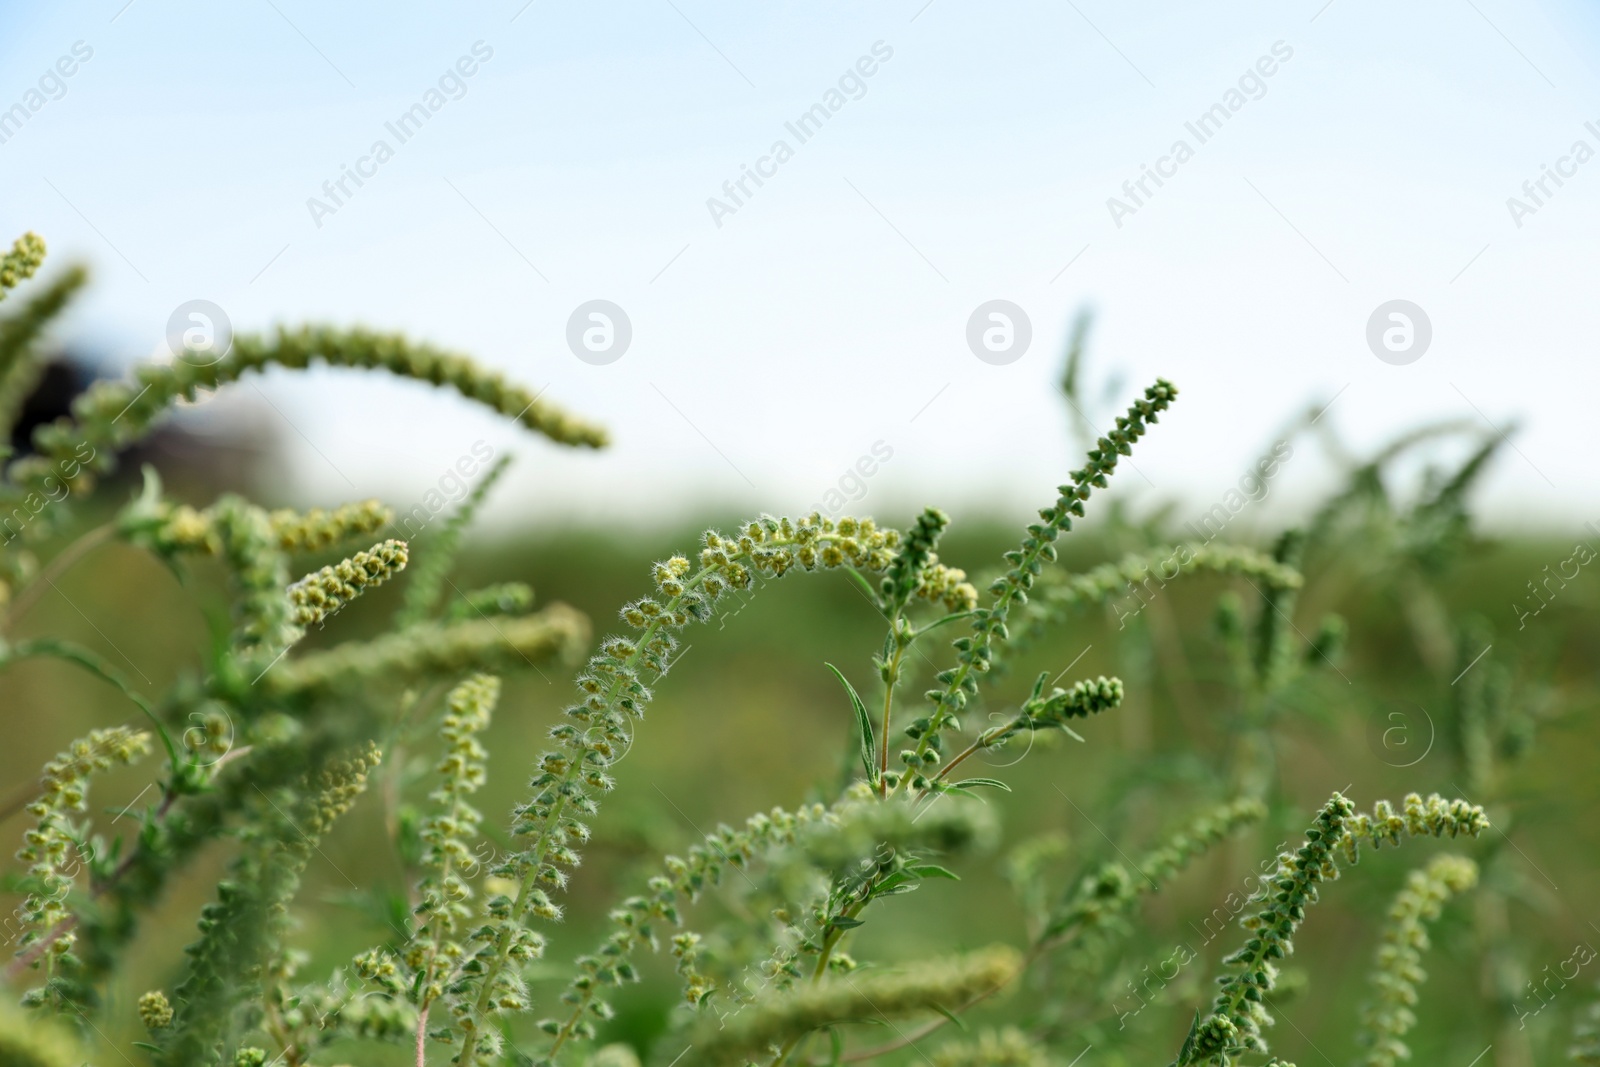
(952,617)
(889,884)
(866,587)
(82,657)
(836,1045)
(992,783)
(933,870)
(869,751)
(841,923)
(1188,1042)
(952,1016)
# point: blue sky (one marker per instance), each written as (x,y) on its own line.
(828,313)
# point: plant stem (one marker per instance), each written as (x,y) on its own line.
(422,1037)
(54,569)
(888,701)
(829,943)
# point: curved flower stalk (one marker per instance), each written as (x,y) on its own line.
(323,594)
(111,415)
(55,845)
(444,910)
(1399,965)
(1238,1015)
(241,931)
(1142,575)
(975,654)
(168,529)
(615,689)
(929,985)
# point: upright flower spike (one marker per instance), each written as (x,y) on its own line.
(974,654)
(111,415)
(263,626)
(1238,1015)
(1274,636)
(317,597)
(52,846)
(1399,964)
(18,265)
(447,837)
(244,928)
(428,578)
(916,553)
(614,692)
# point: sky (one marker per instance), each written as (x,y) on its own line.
(1355,154)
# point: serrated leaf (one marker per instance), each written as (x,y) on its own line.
(869,750)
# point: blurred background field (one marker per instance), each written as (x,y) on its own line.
(751,718)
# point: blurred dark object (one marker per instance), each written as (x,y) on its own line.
(200,455)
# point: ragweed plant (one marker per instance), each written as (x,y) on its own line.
(775,927)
